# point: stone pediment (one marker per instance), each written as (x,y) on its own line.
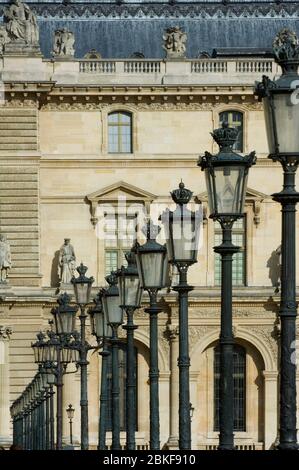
(112,192)
(116,192)
(252,196)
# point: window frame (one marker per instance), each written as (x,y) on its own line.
(119,249)
(244,250)
(119,125)
(237,349)
(230,122)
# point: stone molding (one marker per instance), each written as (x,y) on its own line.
(158,105)
(164,10)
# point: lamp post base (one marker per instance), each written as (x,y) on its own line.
(287,446)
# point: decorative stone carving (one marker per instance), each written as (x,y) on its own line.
(286,45)
(258,106)
(5,258)
(64,41)
(92,55)
(4,39)
(19,104)
(5,332)
(163,339)
(152,10)
(268,334)
(172,332)
(66,262)
(58,106)
(21,23)
(22,29)
(197,332)
(174,42)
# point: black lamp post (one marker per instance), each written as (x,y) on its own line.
(82,288)
(47,422)
(281,109)
(182,234)
(226,178)
(50,377)
(152,265)
(114,314)
(55,354)
(50,356)
(102,331)
(70,414)
(130,298)
(60,352)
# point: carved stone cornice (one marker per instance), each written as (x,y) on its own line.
(20,103)
(140,106)
(159,104)
(5,332)
(165,10)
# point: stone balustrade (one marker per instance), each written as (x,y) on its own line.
(141,66)
(217,72)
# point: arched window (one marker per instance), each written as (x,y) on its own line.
(239,364)
(120,132)
(122,358)
(234,119)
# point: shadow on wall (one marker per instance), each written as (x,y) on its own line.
(54,270)
(274,265)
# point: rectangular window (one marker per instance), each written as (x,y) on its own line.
(239,376)
(239,259)
(234,119)
(120,132)
(120,234)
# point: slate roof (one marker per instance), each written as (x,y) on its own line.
(117,29)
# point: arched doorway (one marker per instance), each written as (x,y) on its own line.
(248,397)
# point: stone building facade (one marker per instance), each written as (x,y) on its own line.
(80,133)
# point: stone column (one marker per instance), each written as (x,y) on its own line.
(5,435)
(270,408)
(173,440)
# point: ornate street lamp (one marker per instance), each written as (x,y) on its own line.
(70,414)
(82,288)
(130,298)
(54,355)
(182,235)
(64,316)
(152,265)
(281,108)
(103,332)
(226,178)
(114,314)
(50,357)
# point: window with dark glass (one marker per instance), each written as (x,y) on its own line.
(239,259)
(234,119)
(239,374)
(120,132)
(122,356)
